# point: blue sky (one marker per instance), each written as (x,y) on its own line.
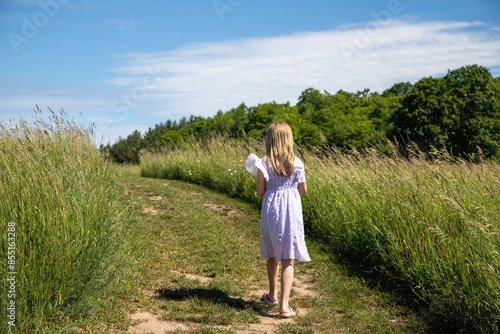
(128,65)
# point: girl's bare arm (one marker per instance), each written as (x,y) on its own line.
(302,188)
(261,184)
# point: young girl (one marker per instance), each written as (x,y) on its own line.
(280,180)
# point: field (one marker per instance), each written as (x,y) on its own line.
(400,245)
(197,266)
(58,198)
(99,249)
(427,227)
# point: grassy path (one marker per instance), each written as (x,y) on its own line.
(194,266)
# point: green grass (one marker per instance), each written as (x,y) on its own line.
(191,256)
(428,227)
(58,190)
(99,242)
(183,229)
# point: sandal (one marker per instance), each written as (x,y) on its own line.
(268,301)
(287,314)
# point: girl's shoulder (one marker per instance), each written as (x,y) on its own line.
(298,162)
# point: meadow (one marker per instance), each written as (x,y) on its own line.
(58,197)
(425,226)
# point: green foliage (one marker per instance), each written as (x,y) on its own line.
(426,224)
(213,270)
(398,89)
(126,150)
(171,137)
(57,190)
(459,112)
(152,137)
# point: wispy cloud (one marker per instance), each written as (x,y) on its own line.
(21,101)
(202,78)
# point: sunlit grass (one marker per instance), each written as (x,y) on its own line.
(58,190)
(198,254)
(428,225)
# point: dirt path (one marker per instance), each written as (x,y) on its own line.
(267,321)
(200,272)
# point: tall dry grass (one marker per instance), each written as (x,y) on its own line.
(57,189)
(428,225)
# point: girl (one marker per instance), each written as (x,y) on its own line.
(280,180)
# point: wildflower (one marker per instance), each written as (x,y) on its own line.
(229,169)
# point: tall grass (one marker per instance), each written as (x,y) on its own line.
(215,162)
(427,224)
(57,189)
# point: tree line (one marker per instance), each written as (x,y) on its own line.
(459,112)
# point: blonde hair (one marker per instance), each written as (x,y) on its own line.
(279,148)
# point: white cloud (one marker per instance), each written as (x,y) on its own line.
(202,78)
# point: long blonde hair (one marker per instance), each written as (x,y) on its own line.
(279,148)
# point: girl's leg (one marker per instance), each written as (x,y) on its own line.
(272,274)
(286,284)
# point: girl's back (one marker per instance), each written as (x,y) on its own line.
(291,182)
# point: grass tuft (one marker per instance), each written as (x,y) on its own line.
(57,190)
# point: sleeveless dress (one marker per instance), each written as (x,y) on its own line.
(282,225)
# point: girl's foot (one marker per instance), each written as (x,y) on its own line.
(289,314)
(268,301)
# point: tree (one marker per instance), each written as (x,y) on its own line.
(151,137)
(171,137)
(423,115)
(476,103)
(127,150)
(458,112)
(398,89)
(312,97)
(261,116)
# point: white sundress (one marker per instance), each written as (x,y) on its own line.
(281,224)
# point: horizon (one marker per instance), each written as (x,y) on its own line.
(125,66)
